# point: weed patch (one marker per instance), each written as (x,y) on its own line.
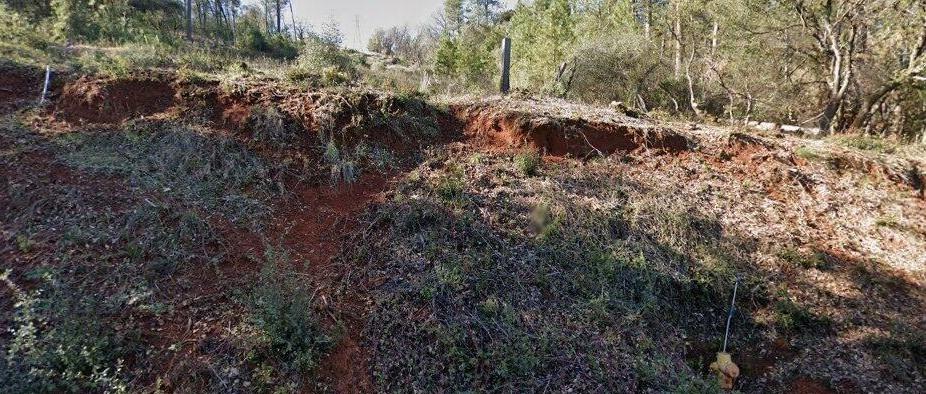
(865,143)
(528,163)
(214,174)
(797,258)
(60,341)
(808,154)
(282,309)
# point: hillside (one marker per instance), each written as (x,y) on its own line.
(163,232)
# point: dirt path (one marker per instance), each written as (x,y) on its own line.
(313,224)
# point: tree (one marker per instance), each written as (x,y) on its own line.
(543,36)
(485,11)
(379,42)
(910,68)
(454,16)
(189,20)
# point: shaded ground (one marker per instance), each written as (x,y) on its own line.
(254,237)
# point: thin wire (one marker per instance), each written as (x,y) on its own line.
(726,334)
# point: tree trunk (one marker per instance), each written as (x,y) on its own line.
(234,23)
(189,20)
(221,19)
(691,95)
(505,82)
(678,40)
(828,118)
(293,16)
(648,19)
(267,20)
(871,102)
(279,18)
(202,15)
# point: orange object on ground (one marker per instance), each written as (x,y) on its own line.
(726,370)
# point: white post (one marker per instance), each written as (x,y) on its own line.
(45,88)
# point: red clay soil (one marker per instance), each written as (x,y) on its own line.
(92,100)
(764,157)
(16,86)
(231,114)
(504,129)
(804,385)
(313,224)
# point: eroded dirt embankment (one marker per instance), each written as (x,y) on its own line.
(500,126)
(293,118)
(113,100)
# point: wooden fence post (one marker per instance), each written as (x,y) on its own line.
(505,84)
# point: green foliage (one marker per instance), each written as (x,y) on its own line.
(888,221)
(808,153)
(60,342)
(282,308)
(327,59)
(272,127)
(14,28)
(112,21)
(343,167)
(543,34)
(797,258)
(865,143)
(254,40)
(804,260)
(450,186)
(528,163)
(795,318)
(445,59)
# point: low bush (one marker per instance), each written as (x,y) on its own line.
(528,163)
(318,56)
(60,341)
(282,308)
(253,40)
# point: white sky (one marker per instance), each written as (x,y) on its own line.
(372,13)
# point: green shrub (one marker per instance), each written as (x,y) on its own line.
(319,55)
(451,186)
(528,163)
(60,342)
(282,47)
(808,153)
(281,307)
(15,28)
(253,40)
(888,221)
(865,142)
(299,74)
(331,76)
(215,173)
(272,127)
(343,167)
